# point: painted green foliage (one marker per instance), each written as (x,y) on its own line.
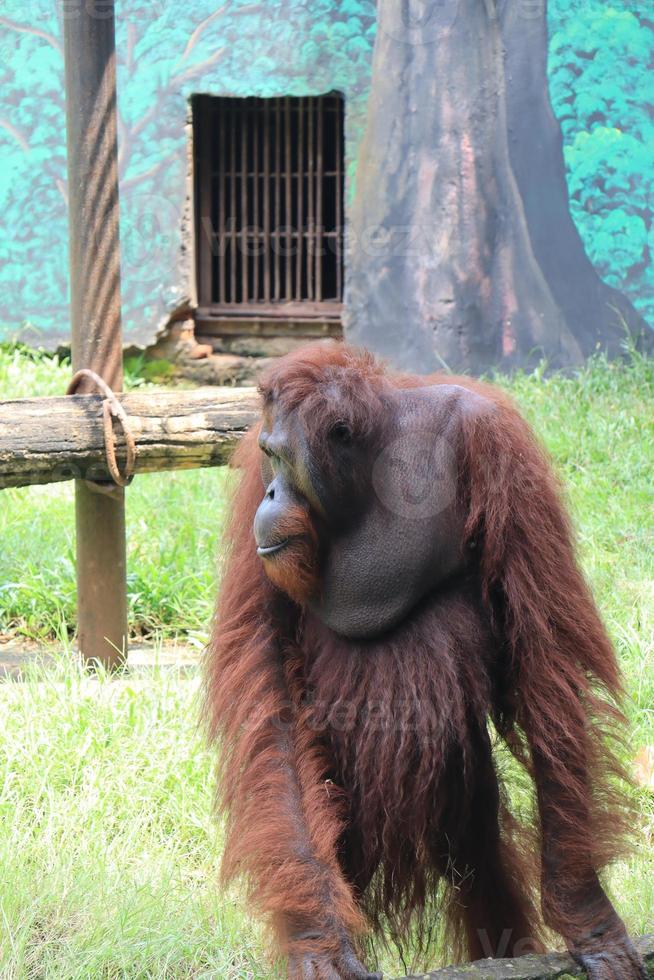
(168,49)
(33,256)
(601,63)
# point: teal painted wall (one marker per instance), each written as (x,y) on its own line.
(167,51)
(601,65)
(602,87)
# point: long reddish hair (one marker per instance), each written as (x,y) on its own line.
(550,683)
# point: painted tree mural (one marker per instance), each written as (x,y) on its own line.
(166,52)
(601,63)
(601,73)
(464,253)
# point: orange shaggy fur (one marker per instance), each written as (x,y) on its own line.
(333,828)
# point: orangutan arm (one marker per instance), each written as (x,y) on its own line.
(563,681)
(574,902)
(282,828)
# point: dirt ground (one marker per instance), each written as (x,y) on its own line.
(17,654)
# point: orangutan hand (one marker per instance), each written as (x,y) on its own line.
(320,965)
(615,961)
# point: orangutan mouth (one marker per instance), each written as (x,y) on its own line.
(266,551)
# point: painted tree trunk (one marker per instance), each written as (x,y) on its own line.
(463,253)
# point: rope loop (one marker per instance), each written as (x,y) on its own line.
(111,409)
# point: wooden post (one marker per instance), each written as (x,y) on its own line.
(95,311)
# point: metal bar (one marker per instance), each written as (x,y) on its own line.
(319,192)
(310,224)
(222,241)
(278,212)
(289,212)
(300,197)
(244,207)
(266,201)
(238,312)
(90,72)
(278,319)
(256,232)
(339,200)
(232,198)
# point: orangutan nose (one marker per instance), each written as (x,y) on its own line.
(269,518)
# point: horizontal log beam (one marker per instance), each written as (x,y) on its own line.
(532,967)
(47,440)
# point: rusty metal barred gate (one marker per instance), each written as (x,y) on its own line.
(269,187)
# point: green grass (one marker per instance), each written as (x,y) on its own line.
(108,853)
(173,521)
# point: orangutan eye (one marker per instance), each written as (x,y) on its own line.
(341,432)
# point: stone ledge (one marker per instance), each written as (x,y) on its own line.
(533,967)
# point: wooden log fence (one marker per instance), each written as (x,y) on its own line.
(47,440)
